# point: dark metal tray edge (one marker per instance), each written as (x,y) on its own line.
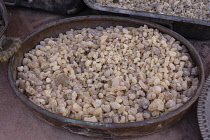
(202,110)
(95,6)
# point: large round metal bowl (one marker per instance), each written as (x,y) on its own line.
(101,129)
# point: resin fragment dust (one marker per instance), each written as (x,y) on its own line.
(198,9)
(109,75)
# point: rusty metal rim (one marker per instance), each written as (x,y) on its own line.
(63,119)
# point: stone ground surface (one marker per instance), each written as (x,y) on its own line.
(18,123)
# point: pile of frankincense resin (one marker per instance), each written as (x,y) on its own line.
(199,9)
(109,75)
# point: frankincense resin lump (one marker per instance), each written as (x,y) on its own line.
(109,75)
